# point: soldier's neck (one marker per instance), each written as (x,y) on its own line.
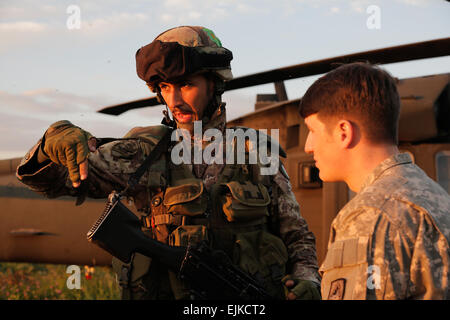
(364,161)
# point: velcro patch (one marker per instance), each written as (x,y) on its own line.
(337,289)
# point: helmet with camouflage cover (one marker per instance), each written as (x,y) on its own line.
(184,51)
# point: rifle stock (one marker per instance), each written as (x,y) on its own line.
(209,273)
(118,231)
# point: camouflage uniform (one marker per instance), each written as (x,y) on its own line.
(392,240)
(112,164)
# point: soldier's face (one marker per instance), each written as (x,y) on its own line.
(324,145)
(187,98)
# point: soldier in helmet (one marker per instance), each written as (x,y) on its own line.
(391,241)
(253,218)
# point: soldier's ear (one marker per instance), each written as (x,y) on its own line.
(348,133)
(212,83)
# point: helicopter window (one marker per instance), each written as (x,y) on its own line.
(443,169)
(308,175)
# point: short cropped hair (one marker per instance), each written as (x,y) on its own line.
(359,92)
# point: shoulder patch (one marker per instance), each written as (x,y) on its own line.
(152,133)
(158,130)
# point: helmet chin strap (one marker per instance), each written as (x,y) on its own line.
(166,120)
(216,101)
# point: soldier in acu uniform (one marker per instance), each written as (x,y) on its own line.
(253,217)
(391,241)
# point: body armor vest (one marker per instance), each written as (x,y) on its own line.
(235,215)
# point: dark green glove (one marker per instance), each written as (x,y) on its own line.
(302,289)
(67,145)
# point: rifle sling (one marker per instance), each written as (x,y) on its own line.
(153,156)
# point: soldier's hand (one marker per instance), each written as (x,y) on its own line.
(69,145)
(297,289)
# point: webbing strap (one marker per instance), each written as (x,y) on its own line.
(154,155)
(167,219)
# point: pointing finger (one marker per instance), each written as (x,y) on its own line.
(84,166)
(72,165)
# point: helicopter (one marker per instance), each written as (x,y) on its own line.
(40,230)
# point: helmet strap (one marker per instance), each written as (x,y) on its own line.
(166,120)
(216,101)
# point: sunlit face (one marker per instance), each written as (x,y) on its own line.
(323,144)
(187,98)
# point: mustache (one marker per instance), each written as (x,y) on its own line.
(182,110)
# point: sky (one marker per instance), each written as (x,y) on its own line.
(67,59)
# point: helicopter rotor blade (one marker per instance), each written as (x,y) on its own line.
(407,52)
(414,51)
(124,107)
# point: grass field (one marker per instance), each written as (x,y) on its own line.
(26,281)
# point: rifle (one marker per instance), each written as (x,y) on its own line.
(209,273)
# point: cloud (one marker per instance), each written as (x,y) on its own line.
(417,3)
(46,101)
(167,17)
(335,10)
(360,6)
(111,23)
(22,11)
(23,26)
(186,11)
(179,4)
(27,25)
(24,117)
(194,15)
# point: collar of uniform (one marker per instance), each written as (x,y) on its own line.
(218,120)
(392,161)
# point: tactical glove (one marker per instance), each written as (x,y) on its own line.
(68,145)
(300,289)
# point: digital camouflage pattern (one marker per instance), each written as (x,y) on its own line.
(391,241)
(113,163)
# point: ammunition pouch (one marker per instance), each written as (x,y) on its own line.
(177,206)
(263,256)
(245,201)
(177,219)
(142,279)
(187,235)
(243,234)
(186,199)
(184,236)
